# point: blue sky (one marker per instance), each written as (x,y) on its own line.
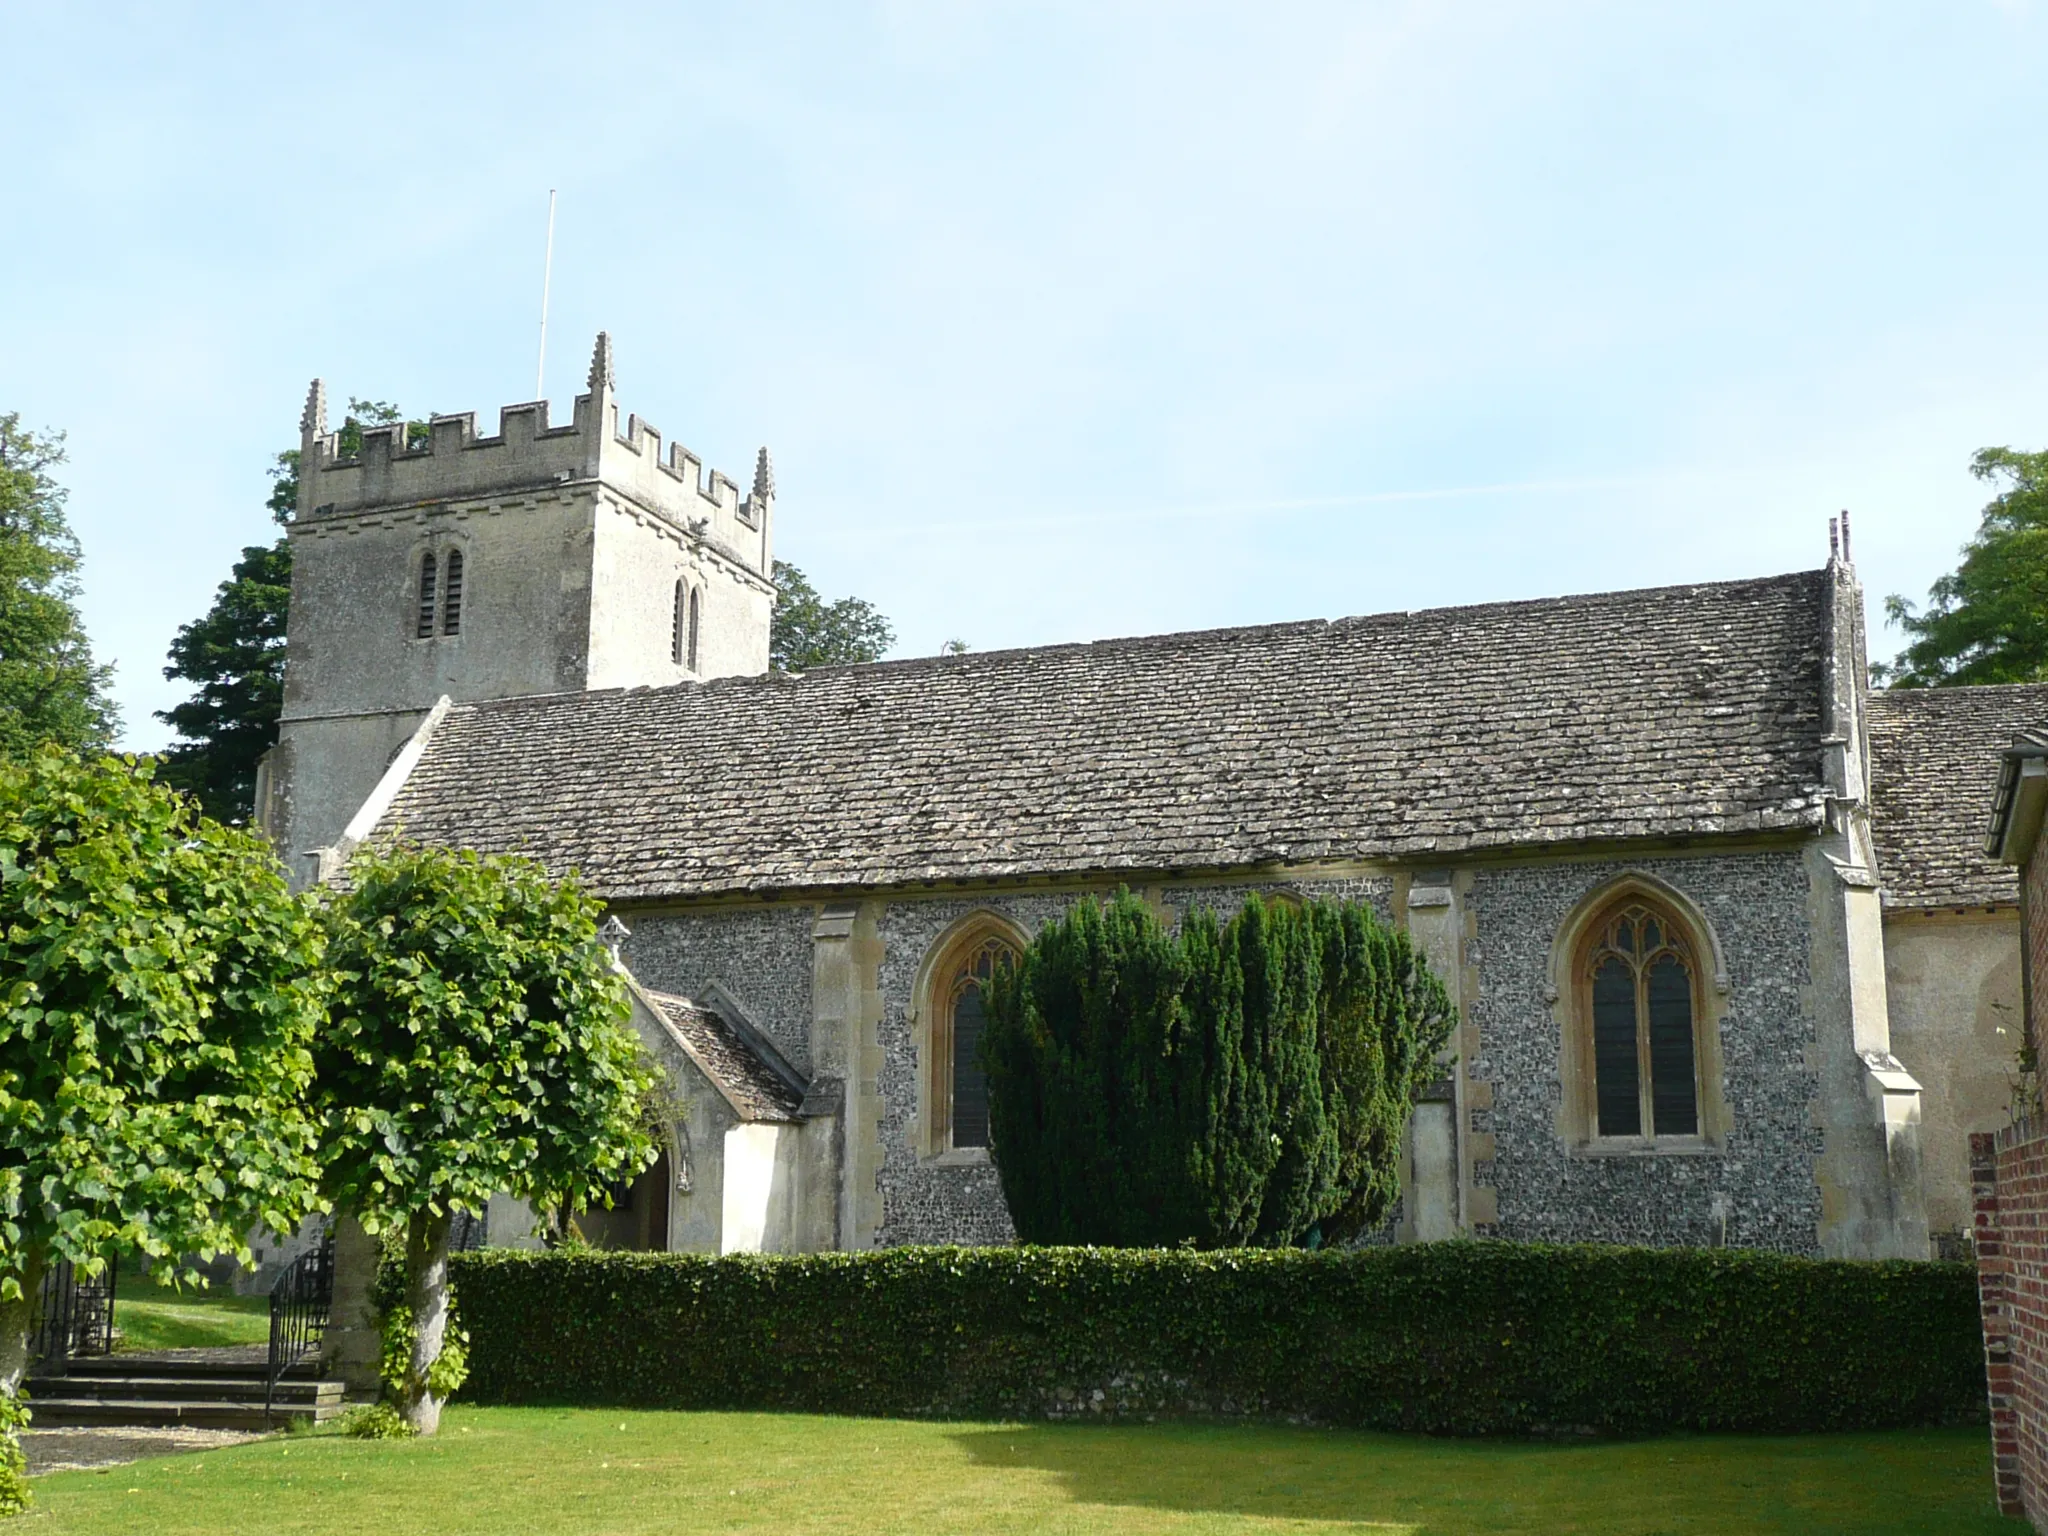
(1062,321)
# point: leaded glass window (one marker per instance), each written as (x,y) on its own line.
(965,1018)
(1640,976)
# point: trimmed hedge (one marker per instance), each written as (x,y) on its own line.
(1453,1338)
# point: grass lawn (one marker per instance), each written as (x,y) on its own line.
(151,1316)
(552,1470)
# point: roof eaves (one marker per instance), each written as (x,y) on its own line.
(2022,795)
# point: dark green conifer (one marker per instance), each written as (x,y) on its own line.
(1240,1082)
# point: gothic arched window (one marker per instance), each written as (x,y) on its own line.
(695,595)
(451,595)
(955,1093)
(428,590)
(1640,999)
(676,623)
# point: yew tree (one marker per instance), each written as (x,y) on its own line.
(160,988)
(479,1044)
(1239,1082)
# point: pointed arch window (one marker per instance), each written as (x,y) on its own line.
(676,623)
(451,595)
(954,1089)
(1641,1000)
(696,595)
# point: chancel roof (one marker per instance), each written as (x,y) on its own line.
(1934,762)
(1672,712)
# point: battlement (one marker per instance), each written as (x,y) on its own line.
(528,454)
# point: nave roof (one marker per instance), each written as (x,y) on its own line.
(1674,712)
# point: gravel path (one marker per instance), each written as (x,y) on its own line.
(73,1450)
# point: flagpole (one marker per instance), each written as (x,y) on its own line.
(547,273)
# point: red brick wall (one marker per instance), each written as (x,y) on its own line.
(2009,1188)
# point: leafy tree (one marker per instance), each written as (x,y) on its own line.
(478,1044)
(1243,1082)
(51,690)
(809,632)
(159,992)
(1987,620)
(235,653)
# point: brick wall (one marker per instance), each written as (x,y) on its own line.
(2009,1190)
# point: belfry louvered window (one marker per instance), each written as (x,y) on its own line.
(676,623)
(691,658)
(1640,980)
(429,592)
(451,595)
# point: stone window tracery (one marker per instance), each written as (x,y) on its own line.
(1640,1001)
(955,1092)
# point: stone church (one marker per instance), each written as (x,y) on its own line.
(1731,964)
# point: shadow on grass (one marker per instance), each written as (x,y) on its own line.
(1935,1480)
(153,1316)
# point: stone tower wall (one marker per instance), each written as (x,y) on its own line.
(574,541)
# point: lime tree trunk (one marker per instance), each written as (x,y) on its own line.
(426,1274)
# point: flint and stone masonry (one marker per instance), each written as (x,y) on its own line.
(791,855)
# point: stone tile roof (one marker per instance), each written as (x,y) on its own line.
(1677,711)
(1934,761)
(737,1070)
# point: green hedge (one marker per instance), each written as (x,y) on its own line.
(1457,1338)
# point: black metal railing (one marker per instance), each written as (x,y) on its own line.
(301,1299)
(75,1316)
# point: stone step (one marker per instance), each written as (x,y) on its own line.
(184,1368)
(79,1412)
(153,1388)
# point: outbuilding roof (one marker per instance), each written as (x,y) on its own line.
(1935,755)
(1669,712)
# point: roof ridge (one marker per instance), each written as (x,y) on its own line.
(1168,639)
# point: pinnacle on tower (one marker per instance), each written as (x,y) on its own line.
(313,422)
(601,364)
(764,477)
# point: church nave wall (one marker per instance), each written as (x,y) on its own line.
(1762,1173)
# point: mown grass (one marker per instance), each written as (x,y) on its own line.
(148,1316)
(525,1470)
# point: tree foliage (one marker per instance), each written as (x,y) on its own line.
(479,1044)
(51,690)
(809,632)
(234,653)
(1987,620)
(159,991)
(1242,1082)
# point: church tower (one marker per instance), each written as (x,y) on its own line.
(544,559)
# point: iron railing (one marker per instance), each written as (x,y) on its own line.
(75,1316)
(301,1299)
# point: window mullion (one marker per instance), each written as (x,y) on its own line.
(1645,1094)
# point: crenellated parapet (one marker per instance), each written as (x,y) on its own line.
(530,453)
